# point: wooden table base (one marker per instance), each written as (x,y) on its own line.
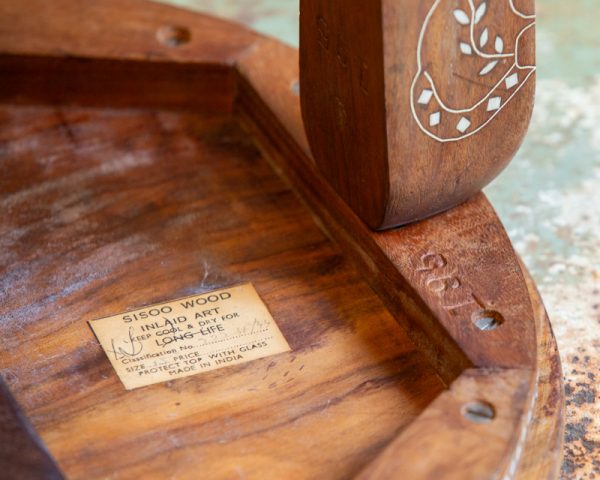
(142,166)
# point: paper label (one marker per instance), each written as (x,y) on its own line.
(189,335)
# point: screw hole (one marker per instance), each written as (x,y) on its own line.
(487,319)
(479,412)
(173,36)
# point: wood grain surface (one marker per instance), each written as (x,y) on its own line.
(115,208)
(542,442)
(22,454)
(123,209)
(404,101)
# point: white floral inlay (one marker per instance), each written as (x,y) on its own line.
(499,45)
(480,12)
(466,48)
(483,39)
(488,68)
(461,17)
(496,57)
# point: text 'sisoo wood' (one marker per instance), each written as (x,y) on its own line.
(189,335)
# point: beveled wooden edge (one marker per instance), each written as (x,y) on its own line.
(456,264)
(508,364)
(112,53)
(543,443)
(115,30)
(23,455)
(518,367)
(537,436)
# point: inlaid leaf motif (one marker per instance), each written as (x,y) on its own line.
(480,12)
(483,39)
(488,68)
(466,48)
(461,17)
(476,28)
(499,44)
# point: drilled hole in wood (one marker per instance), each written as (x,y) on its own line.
(479,412)
(173,36)
(487,319)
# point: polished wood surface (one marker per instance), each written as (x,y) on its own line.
(404,100)
(417,340)
(121,209)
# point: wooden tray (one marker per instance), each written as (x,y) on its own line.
(148,153)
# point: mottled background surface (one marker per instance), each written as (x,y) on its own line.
(548,198)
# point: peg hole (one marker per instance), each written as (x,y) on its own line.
(487,319)
(479,412)
(173,36)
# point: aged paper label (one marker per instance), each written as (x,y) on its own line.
(189,335)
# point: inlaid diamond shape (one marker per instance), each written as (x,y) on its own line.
(434,119)
(494,104)
(512,80)
(425,97)
(463,124)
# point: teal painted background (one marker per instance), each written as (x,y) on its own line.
(548,198)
